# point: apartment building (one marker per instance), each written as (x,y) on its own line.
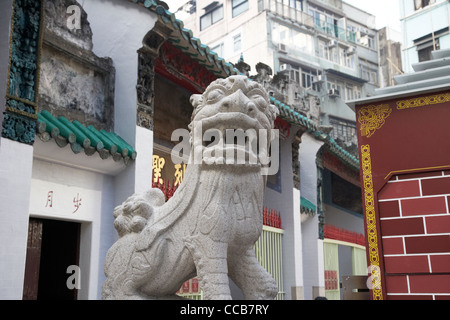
(329,47)
(425,28)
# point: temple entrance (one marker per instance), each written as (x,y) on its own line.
(52,247)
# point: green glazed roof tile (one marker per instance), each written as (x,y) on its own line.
(81,138)
(306,206)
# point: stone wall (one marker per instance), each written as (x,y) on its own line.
(74,82)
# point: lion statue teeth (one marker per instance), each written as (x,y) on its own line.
(210,225)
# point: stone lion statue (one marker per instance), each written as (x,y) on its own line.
(209,226)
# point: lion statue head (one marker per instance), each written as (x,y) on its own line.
(229,121)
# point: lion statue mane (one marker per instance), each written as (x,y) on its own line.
(210,225)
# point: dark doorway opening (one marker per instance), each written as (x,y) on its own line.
(53,246)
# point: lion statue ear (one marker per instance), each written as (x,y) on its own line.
(274,112)
(196,100)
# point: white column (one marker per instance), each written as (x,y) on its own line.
(16,161)
(312,246)
(297,285)
(118,28)
(288,203)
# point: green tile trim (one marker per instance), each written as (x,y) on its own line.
(307,206)
(81,138)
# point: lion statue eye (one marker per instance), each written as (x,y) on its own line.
(215,95)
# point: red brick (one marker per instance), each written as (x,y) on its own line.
(402,189)
(440,263)
(389,209)
(406,264)
(436,283)
(438,224)
(398,227)
(442,297)
(436,186)
(423,206)
(393,246)
(427,244)
(420,175)
(396,284)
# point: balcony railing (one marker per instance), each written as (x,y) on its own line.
(286,12)
(301,17)
(268,250)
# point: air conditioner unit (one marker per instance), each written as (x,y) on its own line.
(318,79)
(364,30)
(285,67)
(282,48)
(334,93)
(364,40)
(332,44)
(350,51)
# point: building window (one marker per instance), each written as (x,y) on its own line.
(424,50)
(295,42)
(211,17)
(308,79)
(304,77)
(346,90)
(344,130)
(323,50)
(371,42)
(369,73)
(335,85)
(349,59)
(295,75)
(237,44)
(239,6)
(297,4)
(324,21)
(419,4)
(218,49)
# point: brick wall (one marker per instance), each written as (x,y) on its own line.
(415,228)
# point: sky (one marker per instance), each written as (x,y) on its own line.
(387,12)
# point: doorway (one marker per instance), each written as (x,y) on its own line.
(52,247)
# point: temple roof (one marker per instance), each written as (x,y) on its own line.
(184,40)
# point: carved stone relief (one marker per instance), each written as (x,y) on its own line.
(19,122)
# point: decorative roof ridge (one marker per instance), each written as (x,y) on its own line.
(81,138)
(293,117)
(306,206)
(337,150)
(195,44)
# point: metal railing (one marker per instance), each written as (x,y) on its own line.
(301,17)
(268,250)
(286,11)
